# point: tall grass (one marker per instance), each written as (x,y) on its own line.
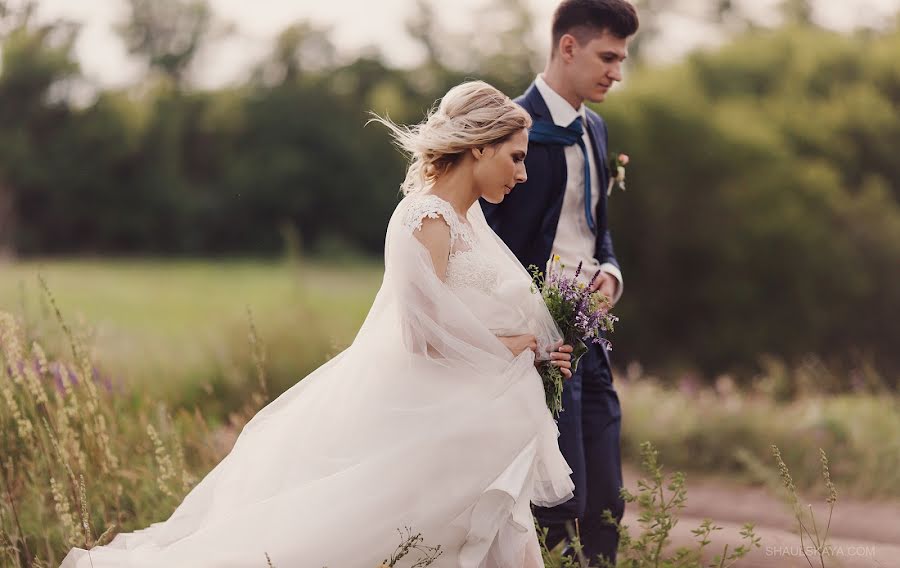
(81,463)
(660,499)
(85,457)
(68,448)
(729,432)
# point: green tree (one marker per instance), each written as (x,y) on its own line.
(797,11)
(300,46)
(766,210)
(35,60)
(167,34)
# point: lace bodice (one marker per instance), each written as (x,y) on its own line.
(466,266)
(470,269)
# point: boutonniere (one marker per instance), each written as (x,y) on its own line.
(617,163)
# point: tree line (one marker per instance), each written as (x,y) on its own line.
(761,215)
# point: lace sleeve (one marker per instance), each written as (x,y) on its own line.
(433,207)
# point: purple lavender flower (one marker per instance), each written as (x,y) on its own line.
(59,371)
(582,316)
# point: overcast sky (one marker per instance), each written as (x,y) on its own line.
(358,23)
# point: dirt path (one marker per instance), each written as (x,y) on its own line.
(862,534)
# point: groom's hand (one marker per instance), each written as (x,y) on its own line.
(607,284)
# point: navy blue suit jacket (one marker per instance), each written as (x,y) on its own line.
(527,218)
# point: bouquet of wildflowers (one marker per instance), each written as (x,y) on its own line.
(581,315)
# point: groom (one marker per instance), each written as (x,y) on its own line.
(561,209)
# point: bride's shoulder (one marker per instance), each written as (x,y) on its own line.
(416,211)
(419,207)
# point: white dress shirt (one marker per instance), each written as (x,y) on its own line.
(574,240)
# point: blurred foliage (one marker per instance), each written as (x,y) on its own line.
(762,212)
(730,431)
(763,215)
(167,33)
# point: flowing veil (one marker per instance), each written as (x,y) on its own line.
(427,421)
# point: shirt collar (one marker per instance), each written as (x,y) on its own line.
(560,110)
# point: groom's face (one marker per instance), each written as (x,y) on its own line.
(596,65)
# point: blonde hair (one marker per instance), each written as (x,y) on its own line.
(471,115)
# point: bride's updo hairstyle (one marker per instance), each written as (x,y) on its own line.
(471,115)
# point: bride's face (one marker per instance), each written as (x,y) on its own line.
(500,167)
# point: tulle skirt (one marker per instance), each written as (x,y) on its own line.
(372,442)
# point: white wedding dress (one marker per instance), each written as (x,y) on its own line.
(426,421)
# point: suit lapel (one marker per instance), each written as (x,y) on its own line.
(555,173)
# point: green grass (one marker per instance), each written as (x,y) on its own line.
(178,329)
(179,299)
(731,434)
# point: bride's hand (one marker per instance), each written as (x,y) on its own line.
(519,343)
(562,358)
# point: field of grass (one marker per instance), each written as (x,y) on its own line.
(178,330)
(730,435)
(176,375)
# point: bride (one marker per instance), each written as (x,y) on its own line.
(434,418)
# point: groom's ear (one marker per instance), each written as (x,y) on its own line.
(566,47)
(477,153)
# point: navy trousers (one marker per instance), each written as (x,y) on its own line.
(589,429)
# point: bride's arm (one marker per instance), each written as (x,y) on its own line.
(518,343)
(435,237)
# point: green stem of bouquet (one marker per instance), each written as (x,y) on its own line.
(553,387)
(553,379)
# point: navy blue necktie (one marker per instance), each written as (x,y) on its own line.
(545,132)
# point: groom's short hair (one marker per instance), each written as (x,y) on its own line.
(587,18)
